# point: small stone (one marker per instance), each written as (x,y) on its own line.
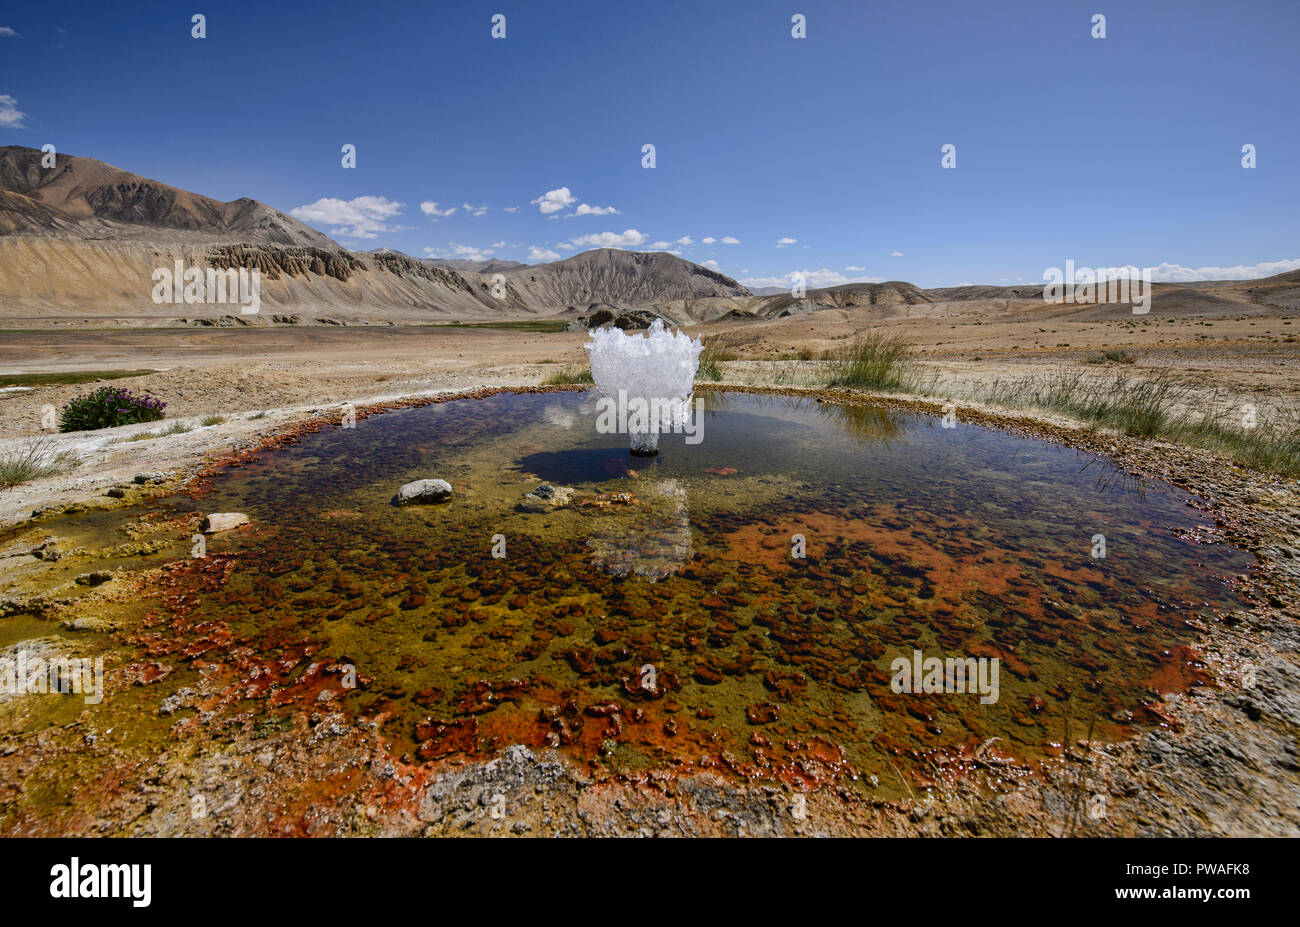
(88,623)
(423,491)
(222,521)
(546,497)
(94,579)
(117,492)
(155,477)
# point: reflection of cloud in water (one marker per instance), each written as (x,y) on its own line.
(558,415)
(652,541)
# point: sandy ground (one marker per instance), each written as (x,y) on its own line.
(1231,760)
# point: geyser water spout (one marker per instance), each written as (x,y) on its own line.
(653,375)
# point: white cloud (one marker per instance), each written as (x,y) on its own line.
(1177,273)
(713,264)
(660,246)
(626,239)
(851,267)
(10,116)
(728,240)
(542,254)
(813,279)
(684,240)
(781,243)
(512,209)
(430,208)
(708,241)
(585,210)
(461,252)
(554,200)
(362,217)
(567,247)
(498,244)
(6,31)
(895,254)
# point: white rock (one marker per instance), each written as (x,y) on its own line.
(223,521)
(422,491)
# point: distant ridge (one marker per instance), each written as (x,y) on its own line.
(85,198)
(82,238)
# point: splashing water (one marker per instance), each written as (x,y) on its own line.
(657,370)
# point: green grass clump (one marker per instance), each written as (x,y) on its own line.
(35,460)
(568,377)
(873,361)
(108,407)
(716,350)
(209,420)
(138,436)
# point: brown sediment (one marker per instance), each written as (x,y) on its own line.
(283,666)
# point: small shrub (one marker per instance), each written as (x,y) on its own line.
(209,420)
(108,407)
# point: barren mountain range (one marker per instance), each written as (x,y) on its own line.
(79,242)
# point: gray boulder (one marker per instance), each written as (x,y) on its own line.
(222,521)
(422,492)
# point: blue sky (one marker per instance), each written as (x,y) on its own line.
(1114,151)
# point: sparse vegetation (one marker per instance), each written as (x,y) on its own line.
(568,377)
(34,460)
(1111,356)
(874,361)
(108,407)
(257,415)
(1141,407)
(209,420)
(1160,406)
